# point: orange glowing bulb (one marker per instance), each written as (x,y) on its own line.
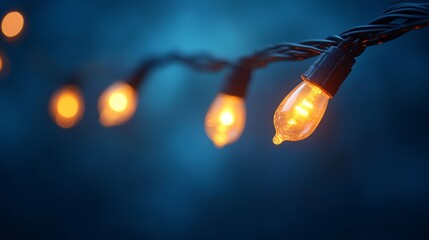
(225,119)
(66,106)
(12,24)
(117,104)
(299,113)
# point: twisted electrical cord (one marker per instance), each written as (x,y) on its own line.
(391,24)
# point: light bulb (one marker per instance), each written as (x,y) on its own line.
(299,113)
(12,24)
(117,104)
(67,106)
(225,119)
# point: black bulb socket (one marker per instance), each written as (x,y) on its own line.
(237,82)
(330,70)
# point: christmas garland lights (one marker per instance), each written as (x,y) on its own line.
(301,110)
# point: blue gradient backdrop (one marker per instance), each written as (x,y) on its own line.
(363,174)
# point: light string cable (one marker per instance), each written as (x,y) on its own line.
(392,23)
(225,118)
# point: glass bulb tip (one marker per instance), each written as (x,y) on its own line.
(277,140)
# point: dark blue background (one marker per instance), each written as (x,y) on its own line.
(363,174)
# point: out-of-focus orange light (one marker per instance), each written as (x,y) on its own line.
(299,113)
(225,119)
(66,106)
(12,24)
(1,63)
(117,104)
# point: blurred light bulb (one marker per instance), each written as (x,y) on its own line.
(299,113)
(225,119)
(12,24)
(117,104)
(67,106)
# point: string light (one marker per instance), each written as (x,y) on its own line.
(67,106)
(117,104)
(12,24)
(225,119)
(301,111)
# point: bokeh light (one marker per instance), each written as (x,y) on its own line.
(12,24)
(67,106)
(117,104)
(225,119)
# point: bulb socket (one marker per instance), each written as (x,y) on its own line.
(237,82)
(330,70)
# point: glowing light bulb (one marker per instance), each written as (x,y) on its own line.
(299,113)
(225,119)
(302,109)
(117,104)
(12,24)
(66,106)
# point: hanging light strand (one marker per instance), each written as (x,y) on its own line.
(301,111)
(391,24)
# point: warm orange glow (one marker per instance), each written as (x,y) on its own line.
(225,119)
(299,113)
(1,63)
(117,104)
(67,106)
(12,24)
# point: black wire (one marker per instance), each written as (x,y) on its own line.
(391,24)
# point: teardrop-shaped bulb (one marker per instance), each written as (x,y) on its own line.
(67,106)
(117,104)
(225,119)
(299,113)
